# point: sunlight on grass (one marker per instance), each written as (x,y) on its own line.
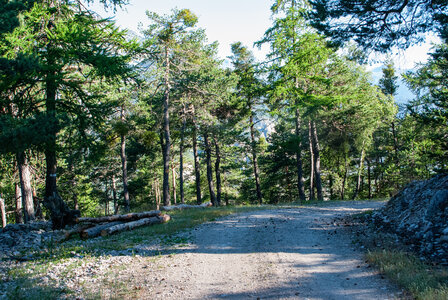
(422,280)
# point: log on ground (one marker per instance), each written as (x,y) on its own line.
(125,218)
(96,231)
(135,224)
(185,206)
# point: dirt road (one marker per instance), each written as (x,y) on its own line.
(273,254)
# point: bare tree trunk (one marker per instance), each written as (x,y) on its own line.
(218,171)
(124,166)
(254,157)
(166,131)
(344,180)
(209,170)
(300,185)
(331,186)
(37,206)
(106,198)
(173,175)
(114,194)
(317,162)
(3,211)
(157,193)
(310,139)
(19,204)
(26,189)
(196,164)
(369,180)
(358,181)
(181,157)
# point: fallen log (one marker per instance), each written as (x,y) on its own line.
(96,231)
(185,206)
(125,218)
(135,224)
(69,233)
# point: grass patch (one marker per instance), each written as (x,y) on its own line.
(423,281)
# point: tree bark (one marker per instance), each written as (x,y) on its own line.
(300,185)
(218,171)
(37,207)
(3,211)
(197,171)
(25,187)
(19,204)
(131,225)
(312,161)
(114,194)
(317,162)
(96,231)
(181,157)
(173,178)
(254,157)
(124,218)
(369,179)
(124,165)
(157,192)
(106,198)
(209,169)
(358,181)
(166,131)
(344,180)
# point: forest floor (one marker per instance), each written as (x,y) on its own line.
(282,253)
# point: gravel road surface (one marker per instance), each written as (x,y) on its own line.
(290,253)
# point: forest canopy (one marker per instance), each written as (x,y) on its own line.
(96,121)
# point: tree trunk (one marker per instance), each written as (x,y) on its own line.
(96,231)
(300,185)
(124,166)
(124,218)
(166,131)
(61,215)
(330,179)
(317,173)
(344,180)
(369,180)
(26,189)
(106,198)
(209,170)
(114,194)
(3,211)
(196,164)
(131,225)
(19,204)
(358,181)
(394,135)
(218,171)
(37,207)
(254,158)
(173,175)
(181,157)
(312,161)
(157,192)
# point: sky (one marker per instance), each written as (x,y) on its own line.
(229,21)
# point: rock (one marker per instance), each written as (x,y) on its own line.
(419,214)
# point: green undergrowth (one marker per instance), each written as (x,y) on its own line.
(423,281)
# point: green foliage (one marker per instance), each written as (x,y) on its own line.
(378,25)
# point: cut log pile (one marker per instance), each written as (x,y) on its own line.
(93,227)
(186,206)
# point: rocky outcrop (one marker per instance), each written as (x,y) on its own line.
(419,214)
